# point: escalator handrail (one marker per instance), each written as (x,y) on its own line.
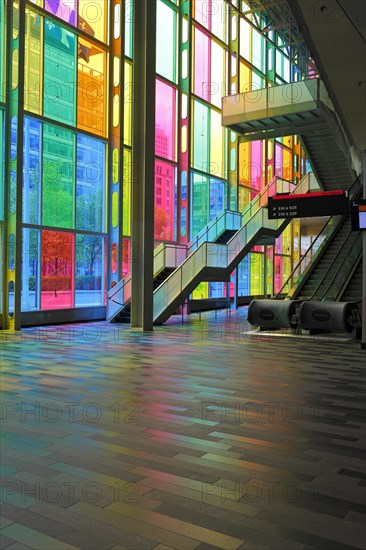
(343,288)
(345,259)
(322,246)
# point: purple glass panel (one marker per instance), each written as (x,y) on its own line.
(64,9)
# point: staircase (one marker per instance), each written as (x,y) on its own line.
(215,262)
(213,254)
(302,108)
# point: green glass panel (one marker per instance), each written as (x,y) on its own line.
(59,91)
(58,177)
(201,133)
(166,22)
(200,189)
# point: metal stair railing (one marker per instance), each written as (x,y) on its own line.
(225,220)
(165,255)
(171,255)
(224,257)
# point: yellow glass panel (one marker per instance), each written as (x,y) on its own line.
(14,69)
(256,274)
(115,113)
(116,70)
(244,164)
(184,139)
(93,17)
(287,165)
(200,292)
(32,63)
(128,99)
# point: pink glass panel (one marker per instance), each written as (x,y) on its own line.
(164,201)
(202,63)
(165,122)
(64,9)
(279,160)
(126,257)
(203,12)
(57,272)
(256,165)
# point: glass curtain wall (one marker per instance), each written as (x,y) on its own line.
(78,175)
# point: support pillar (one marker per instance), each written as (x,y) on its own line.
(143,162)
(363,342)
(14,116)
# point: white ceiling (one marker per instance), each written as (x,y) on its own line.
(335,32)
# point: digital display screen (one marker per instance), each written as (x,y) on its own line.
(358,216)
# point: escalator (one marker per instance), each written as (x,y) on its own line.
(326,268)
(353,289)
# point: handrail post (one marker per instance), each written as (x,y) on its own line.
(363,341)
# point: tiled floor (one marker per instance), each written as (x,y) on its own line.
(195,436)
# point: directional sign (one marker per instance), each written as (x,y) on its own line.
(309,205)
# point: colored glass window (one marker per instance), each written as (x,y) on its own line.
(93,17)
(202,63)
(64,9)
(57,270)
(32,162)
(201,115)
(58,177)
(165,201)
(89,273)
(199,202)
(30,270)
(165,121)
(33,62)
(166,57)
(127,183)
(92,105)
(59,73)
(90,184)
(128,102)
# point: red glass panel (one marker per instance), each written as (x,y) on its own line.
(57,272)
